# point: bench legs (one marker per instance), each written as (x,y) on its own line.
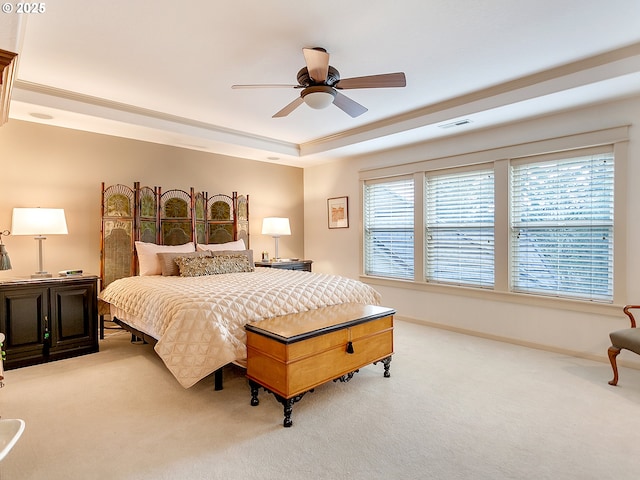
(387,365)
(287,403)
(613,353)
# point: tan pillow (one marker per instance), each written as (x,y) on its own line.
(168,264)
(199,266)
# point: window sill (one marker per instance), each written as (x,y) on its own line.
(585,306)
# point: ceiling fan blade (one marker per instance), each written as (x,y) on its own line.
(317,60)
(289,108)
(266,85)
(374,81)
(351,107)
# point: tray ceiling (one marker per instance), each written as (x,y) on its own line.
(162,71)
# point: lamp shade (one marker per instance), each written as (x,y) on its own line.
(276,226)
(38,221)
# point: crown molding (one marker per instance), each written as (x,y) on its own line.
(126,113)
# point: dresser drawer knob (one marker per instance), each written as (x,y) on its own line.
(349,347)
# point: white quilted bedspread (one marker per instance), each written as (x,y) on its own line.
(199,321)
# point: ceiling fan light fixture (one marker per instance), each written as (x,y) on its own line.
(318,96)
(320,83)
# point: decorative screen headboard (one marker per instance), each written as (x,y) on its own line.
(171,218)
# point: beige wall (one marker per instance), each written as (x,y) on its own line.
(565,326)
(42,166)
(52,167)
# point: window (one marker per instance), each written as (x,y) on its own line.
(534,219)
(459,221)
(388,228)
(562,227)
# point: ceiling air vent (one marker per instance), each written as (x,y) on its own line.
(457,123)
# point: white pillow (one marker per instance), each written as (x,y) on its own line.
(148,260)
(214,247)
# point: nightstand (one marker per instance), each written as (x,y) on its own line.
(304,265)
(48,319)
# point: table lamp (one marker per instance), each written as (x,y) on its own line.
(276,227)
(39,222)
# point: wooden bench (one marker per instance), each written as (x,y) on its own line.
(291,355)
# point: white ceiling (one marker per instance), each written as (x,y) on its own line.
(162,70)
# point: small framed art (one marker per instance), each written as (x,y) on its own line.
(338,211)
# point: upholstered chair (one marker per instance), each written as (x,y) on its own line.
(627,339)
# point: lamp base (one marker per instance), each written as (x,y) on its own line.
(42,275)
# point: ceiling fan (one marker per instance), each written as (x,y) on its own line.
(320,83)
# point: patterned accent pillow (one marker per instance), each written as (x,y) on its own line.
(248,253)
(199,266)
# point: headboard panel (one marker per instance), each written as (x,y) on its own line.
(200,217)
(176,214)
(242,218)
(147,221)
(118,233)
(170,218)
(220,219)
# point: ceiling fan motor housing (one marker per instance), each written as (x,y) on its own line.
(333,77)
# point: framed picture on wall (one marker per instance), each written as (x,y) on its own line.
(338,211)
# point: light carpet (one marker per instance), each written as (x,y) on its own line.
(455,407)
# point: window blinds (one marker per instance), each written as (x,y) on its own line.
(388,228)
(459,227)
(562,227)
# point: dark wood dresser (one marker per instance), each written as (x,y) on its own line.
(48,319)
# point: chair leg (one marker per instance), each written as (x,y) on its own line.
(613,353)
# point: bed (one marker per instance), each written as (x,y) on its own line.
(177,268)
